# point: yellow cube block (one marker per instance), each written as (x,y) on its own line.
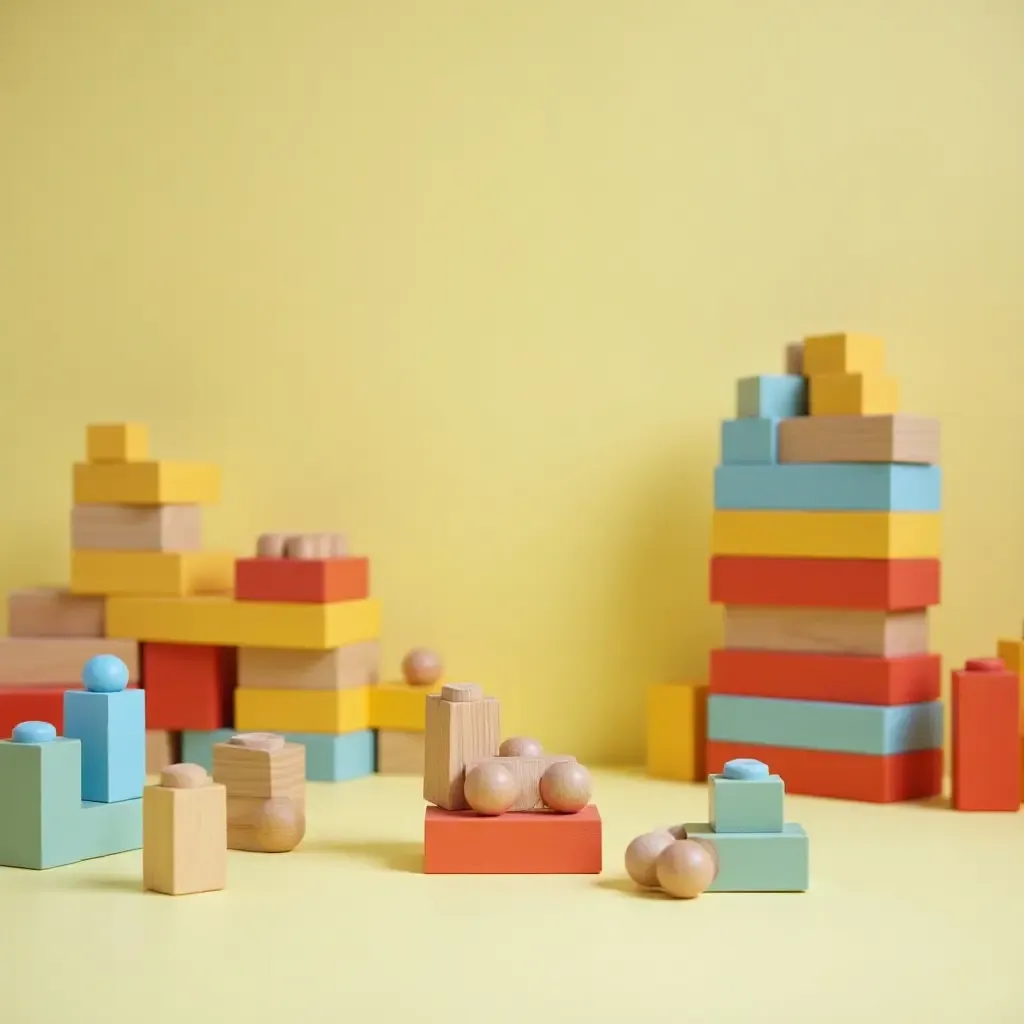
(677,715)
(854,394)
(156,573)
(117,442)
(317,711)
(844,353)
(146,483)
(400,707)
(1012,654)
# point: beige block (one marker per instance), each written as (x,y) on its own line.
(344,668)
(527,772)
(136,528)
(58,661)
(162,750)
(54,612)
(400,753)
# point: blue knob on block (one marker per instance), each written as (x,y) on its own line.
(105,674)
(747,769)
(34,732)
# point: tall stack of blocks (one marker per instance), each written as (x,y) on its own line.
(825,554)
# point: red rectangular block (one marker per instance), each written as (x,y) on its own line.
(34,704)
(901,584)
(189,686)
(840,678)
(529,843)
(864,777)
(301,580)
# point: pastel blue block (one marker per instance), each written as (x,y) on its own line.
(820,725)
(836,487)
(112,729)
(197,747)
(758,861)
(106,829)
(750,441)
(780,396)
(746,805)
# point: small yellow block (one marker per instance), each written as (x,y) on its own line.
(318,711)
(677,716)
(400,707)
(844,353)
(223,622)
(854,394)
(155,573)
(117,442)
(146,483)
(1012,654)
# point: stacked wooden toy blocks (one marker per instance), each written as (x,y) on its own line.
(826,557)
(501,808)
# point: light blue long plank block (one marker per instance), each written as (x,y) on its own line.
(771,396)
(819,725)
(758,861)
(112,730)
(837,487)
(752,441)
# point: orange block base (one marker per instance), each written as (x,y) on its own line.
(189,686)
(530,843)
(309,581)
(863,777)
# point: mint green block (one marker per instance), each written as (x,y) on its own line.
(758,861)
(106,829)
(746,805)
(771,397)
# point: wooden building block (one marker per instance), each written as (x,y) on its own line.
(757,861)
(399,706)
(54,612)
(771,396)
(527,772)
(48,661)
(534,843)
(900,438)
(880,584)
(105,829)
(288,711)
(343,668)
(841,775)
(843,353)
(145,483)
(793,358)
(843,679)
(749,441)
(826,631)
(189,686)
(117,442)
(184,833)
(1011,652)
(136,528)
(824,534)
(985,737)
(400,753)
(677,731)
(162,750)
(229,623)
(151,573)
(854,394)
(462,725)
(299,579)
(747,804)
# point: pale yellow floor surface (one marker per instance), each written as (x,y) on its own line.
(914,915)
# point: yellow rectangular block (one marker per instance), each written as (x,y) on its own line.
(843,353)
(677,715)
(146,483)
(224,622)
(400,707)
(854,394)
(1012,653)
(153,573)
(826,534)
(318,711)
(117,442)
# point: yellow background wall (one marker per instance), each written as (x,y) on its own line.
(473,280)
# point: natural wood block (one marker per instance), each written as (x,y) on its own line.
(344,668)
(677,723)
(400,753)
(899,438)
(136,528)
(50,661)
(117,442)
(163,749)
(843,353)
(54,612)
(854,394)
(527,772)
(461,725)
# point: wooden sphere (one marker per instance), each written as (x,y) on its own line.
(565,787)
(685,869)
(422,667)
(520,746)
(491,788)
(642,856)
(280,825)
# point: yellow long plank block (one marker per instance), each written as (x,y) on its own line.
(152,573)
(399,707)
(225,622)
(827,534)
(319,711)
(677,715)
(146,483)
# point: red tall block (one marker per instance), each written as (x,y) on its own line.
(189,686)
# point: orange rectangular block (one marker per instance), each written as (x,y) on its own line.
(309,581)
(533,843)
(189,686)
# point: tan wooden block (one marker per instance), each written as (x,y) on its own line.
(794,359)
(58,661)
(54,612)
(117,442)
(899,438)
(344,668)
(136,528)
(162,750)
(527,772)
(400,753)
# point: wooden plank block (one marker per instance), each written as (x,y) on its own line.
(826,534)
(880,584)
(843,352)
(343,668)
(826,631)
(677,731)
(117,442)
(189,686)
(301,579)
(900,438)
(771,396)
(152,573)
(54,612)
(136,528)
(163,749)
(534,843)
(49,661)
(291,711)
(854,394)
(145,483)
(399,706)
(749,441)
(527,772)
(400,753)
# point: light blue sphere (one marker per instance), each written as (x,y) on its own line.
(746,768)
(34,732)
(105,674)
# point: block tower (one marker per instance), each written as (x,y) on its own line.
(825,556)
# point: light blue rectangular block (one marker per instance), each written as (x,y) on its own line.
(197,746)
(746,805)
(758,861)
(109,828)
(777,396)
(837,487)
(112,729)
(819,725)
(750,441)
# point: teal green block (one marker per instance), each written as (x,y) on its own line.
(758,861)
(197,745)
(746,805)
(106,829)
(780,396)
(751,441)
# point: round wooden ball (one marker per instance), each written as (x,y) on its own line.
(685,869)
(280,825)
(642,856)
(491,788)
(520,746)
(566,787)
(422,667)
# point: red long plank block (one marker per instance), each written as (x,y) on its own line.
(901,584)
(844,679)
(189,686)
(34,704)
(862,777)
(530,843)
(306,581)
(985,740)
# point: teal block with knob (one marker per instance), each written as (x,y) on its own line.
(757,861)
(750,441)
(745,797)
(778,396)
